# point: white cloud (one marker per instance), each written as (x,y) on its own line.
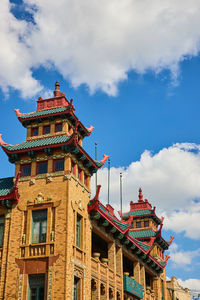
(170,180)
(186,219)
(97,42)
(192,283)
(15,59)
(182,258)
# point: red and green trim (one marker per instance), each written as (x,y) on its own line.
(8,191)
(121,231)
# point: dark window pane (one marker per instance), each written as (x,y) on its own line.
(36,286)
(138,224)
(46,129)
(58,127)
(1,230)
(78,231)
(59,165)
(86,180)
(42,167)
(73,169)
(79,174)
(146,223)
(76,288)
(39,226)
(35,131)
(26,170)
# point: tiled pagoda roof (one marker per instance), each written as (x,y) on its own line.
(52,108)
(9,191)
(141,209)
(6,184)
(104,215)
(66,143)
(37,143)
(42,113)
(144,233)
(144,246)
(140,212)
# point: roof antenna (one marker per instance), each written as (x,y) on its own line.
(96,160)
(108,180)
(121,193)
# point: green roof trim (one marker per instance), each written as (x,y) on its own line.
(140,212)
(142,233)
(144,246)
(43,112)
(98,163)
(38,143)
(121,225)
(162,263)
(5,185)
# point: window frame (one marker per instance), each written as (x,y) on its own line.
(80,174)
(45,127)
(73,167)
(57,125)
(41,220)
(2,225)
(86,180)
(54,163)
(40,163)
(21,168)
(146,222)
(138,223)
(77,288)
(32,130)
(79,220)
(37,286)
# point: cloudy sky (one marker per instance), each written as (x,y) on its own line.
(133,69)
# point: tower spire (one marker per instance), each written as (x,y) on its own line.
(57,89)
(140,195)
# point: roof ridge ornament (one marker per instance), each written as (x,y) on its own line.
(105,157)
(57,89)
(90,129)
(96,197)
(171,239)
(18,114)
(1,141)
(140,195)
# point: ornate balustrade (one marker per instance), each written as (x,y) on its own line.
(103,272)
(37,250)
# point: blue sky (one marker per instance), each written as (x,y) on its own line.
(141,94)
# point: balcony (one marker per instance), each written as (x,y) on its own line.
(37,250)
(133,287)
(79,254)
(102,271)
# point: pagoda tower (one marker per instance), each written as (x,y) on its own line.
(146,228)
(46,234)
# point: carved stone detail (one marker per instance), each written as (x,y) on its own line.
(48,178)
(67,177)
(78,272)
(32,181)
(39,199)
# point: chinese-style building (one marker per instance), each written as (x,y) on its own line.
(55,241)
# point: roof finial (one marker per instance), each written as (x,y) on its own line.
(140,195)
(57,89)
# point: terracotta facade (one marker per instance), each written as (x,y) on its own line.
(83,251)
